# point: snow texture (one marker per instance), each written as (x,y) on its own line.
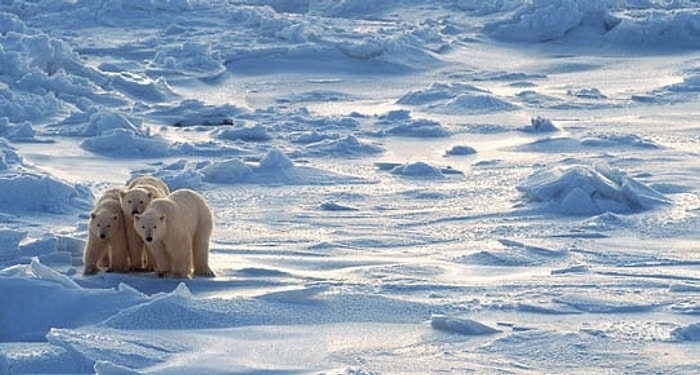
(398,187)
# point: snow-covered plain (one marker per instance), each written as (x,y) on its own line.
(400,187)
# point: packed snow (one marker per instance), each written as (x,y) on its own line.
(399,187)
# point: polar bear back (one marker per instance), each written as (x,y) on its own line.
(185,203)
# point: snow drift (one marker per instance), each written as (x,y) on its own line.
(585,190)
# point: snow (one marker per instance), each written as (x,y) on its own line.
(398,186)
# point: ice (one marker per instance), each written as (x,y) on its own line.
(460,150)
(348,146)
(584,190)
(32,290)
(688,333)
(123,143)
(256,133)
(9,243)
(540,125)
(226,171)
(462,326)
(456,99)
(561,237)
(30,192)
(409,127)
(418,169)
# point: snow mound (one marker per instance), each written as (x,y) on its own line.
(546,20)
(30,290)
(16,132)
(231,170)
(180,174)
(584,190)
(474,104)
(540,125)
(193,112)
(123,349)
(461,326)
(688,333)
(333,206)
(560,144)
(460,150)
(400,123)
(418,169)
(653,24)
(127,143)
(255,133)
(348,146)
(100,122)
(685,91)
(455,99)
(190,59)
(33,192)
(437,92)
(9,243)
(275,159)
(9,158)
(274,168)
(602,305)
(514,254)
(646,28)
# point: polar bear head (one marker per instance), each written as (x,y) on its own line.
(150,226)
(135,200)
(103,223)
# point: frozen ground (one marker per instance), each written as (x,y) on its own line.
(506,187)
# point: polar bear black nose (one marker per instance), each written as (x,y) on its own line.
(102,236)
(149,239)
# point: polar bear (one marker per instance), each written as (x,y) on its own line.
(176,230)
(106,235)
(134,200)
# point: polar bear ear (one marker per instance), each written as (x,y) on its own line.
(150,195)
(162,217)
(115,217)
(137,217)
(122,193)
(93,215)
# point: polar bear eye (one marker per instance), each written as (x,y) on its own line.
(143,227)
(140,202)
(129,202)
(155,226)
(109,226)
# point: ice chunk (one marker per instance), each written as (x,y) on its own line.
(584,190)
(462,326)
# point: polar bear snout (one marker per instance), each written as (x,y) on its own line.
(134,212)
(149,239)
(102,236)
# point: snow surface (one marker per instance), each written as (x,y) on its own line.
(400,187)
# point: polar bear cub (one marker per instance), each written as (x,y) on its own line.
(134,200)
(176,230)
(106,235)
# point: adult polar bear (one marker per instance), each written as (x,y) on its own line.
(134,200)
(106,235)
(176,230)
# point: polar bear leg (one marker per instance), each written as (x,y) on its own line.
(118,255)
(104,261)
(200,253)
(135,246)
(162,259)
(181,259)
(94,251)
(149,259)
